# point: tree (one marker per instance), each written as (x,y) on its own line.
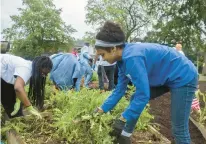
(89,37)
(130,14)
(179,20)
(38,29)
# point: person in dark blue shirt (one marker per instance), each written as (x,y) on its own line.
(154,69)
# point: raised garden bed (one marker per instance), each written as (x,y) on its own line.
(151,136)
(200,126)
(160,107)
(68,121)
(199,117)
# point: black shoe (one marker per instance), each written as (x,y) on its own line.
(124,140)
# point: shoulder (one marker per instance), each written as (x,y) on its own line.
(133,50)
(182,52)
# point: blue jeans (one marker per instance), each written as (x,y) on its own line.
(181,100)
(87,74)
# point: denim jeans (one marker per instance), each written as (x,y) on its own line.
(181,100)
(87,74)
(109,71)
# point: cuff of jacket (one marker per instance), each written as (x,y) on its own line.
(124,133)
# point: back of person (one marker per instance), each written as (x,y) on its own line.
(12,65)
(65,68)
(162,61)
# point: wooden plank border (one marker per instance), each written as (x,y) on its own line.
(201,128)
(159,135)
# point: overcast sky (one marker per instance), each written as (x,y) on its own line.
(73,12)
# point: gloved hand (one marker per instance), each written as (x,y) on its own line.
(124,140)
(16,107)
(118,126)
(32,111)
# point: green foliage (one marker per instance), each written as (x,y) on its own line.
(89,37)
(202,97)
(129,13)
(94,76)
(37,29)
(72,119)
(178,20)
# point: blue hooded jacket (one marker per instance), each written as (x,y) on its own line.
(148,65)
(85,57)
(65,68)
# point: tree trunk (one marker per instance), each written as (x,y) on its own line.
(204,67)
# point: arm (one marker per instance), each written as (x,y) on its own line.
(117,94)
(137,70)
(87,56)
(95,59)
(20,91)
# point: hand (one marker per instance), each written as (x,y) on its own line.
(32,111)
(123,140)
(16,107)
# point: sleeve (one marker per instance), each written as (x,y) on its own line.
(23,72)
(136,69)
(117,94)
(87,56)
(76,71)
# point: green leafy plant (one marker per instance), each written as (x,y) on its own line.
(202,97)
(73,120)
(94,76)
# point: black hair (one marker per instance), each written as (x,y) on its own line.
(37,81)
(111,32)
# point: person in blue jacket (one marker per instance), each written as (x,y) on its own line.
(85,61)
(154,69)
(65,73)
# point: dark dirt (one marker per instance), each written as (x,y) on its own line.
(144,137)
(202,86)
(160,108)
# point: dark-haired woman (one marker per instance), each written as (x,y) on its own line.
(154,70)
(16,72)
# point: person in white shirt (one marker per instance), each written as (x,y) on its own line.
(107,70)
(16,72)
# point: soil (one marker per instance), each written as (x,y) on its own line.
(95,85)
(202,86)
(144,137)
(160,107)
